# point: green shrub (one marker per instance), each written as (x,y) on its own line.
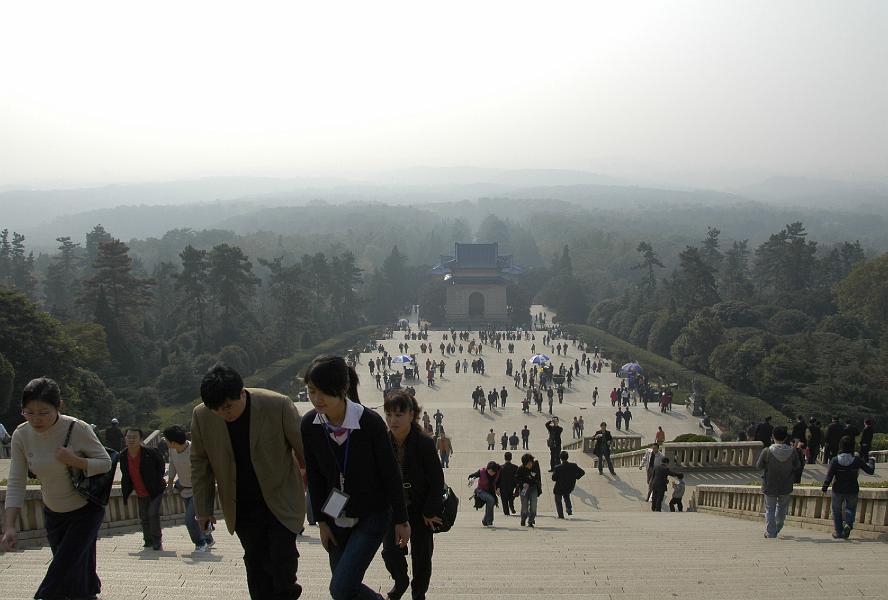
(694,438)
(880,441)
(732,410)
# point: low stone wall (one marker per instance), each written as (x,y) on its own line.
(621,442)
(881,456)
(809,507)
(118,514)
(712,455)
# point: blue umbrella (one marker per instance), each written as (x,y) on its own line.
(632,367)
(402,359)
(539,359)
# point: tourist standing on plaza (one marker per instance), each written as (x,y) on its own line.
(845,469)
(603,440)
(180,467)
(72,523)
(660,436)
(226,454)
(507,484)
(525,438)
(485,491)
(491,440)
(445,448)
(565,477)
(833,435)
(142,471)
(554,441)
(424,490)
(778,463)
(353,476)
(529,482)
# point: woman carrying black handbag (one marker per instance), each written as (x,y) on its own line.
(423,479)
(72,522)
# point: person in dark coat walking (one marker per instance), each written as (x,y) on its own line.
(565,477)
(421,471)
(833,435)
(763,432)
(844,469)
(798,429)
(507,484)
(659,483)
(529,483)
(554,442)
(866,438)
(815,440)
(114,436)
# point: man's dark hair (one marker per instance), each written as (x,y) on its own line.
(779,433)
(137,430)
(42,389)
(526,458)
(399,400)
(175,433)
(846,445)
(680,475)
(492,466)
(507,456)
(333,377)
(563,456)
(220,383)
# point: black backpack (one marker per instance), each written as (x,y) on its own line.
(448,511)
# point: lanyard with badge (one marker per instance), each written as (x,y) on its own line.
(335,504)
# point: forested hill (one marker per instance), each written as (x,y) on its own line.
(786,305)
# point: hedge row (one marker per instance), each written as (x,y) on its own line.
(277,375)
(731,410)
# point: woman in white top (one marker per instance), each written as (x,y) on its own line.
(72,523)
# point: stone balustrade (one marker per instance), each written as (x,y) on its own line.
(118,514)
(620,442)
(881,456)
(712,455)
(689,456)
(809,507)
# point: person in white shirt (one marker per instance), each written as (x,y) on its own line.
(52,445)
(180,465)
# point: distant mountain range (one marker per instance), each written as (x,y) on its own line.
(242,203)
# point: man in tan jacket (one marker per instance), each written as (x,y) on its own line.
(244,441)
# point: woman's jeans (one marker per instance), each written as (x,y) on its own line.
(529,505)
(351,556)
(844,509)
(489,503)
(198,537)
(72,539)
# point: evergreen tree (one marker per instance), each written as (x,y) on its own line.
(5,259)
(649,260)
(735,281)
(785,264)
(62,286)
(710,248)
(22,267)
(94,239)
(291,310)
(125,294)
(343,298)
(165,300)
(232,283)
(193,287)
(694,286)
(394,271)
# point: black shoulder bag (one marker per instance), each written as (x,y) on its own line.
(448,511)
(96,489)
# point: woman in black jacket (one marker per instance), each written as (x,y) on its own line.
(353,478)
(423,480)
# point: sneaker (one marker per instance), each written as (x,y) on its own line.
(838,536)
(201,548)
(210,543)
(846,532)
(530,525)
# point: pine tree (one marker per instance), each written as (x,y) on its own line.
(291,310)
(193,286)
(649,260)
(62,286)
(94,239)
(5,260)
(231,283)
(125,293)
(694,286)
(735,281)
(22,267)
(710,248)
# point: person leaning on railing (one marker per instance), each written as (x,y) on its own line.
(72,523)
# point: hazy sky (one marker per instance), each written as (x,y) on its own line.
(119,91)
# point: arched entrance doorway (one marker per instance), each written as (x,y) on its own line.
(476,304)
